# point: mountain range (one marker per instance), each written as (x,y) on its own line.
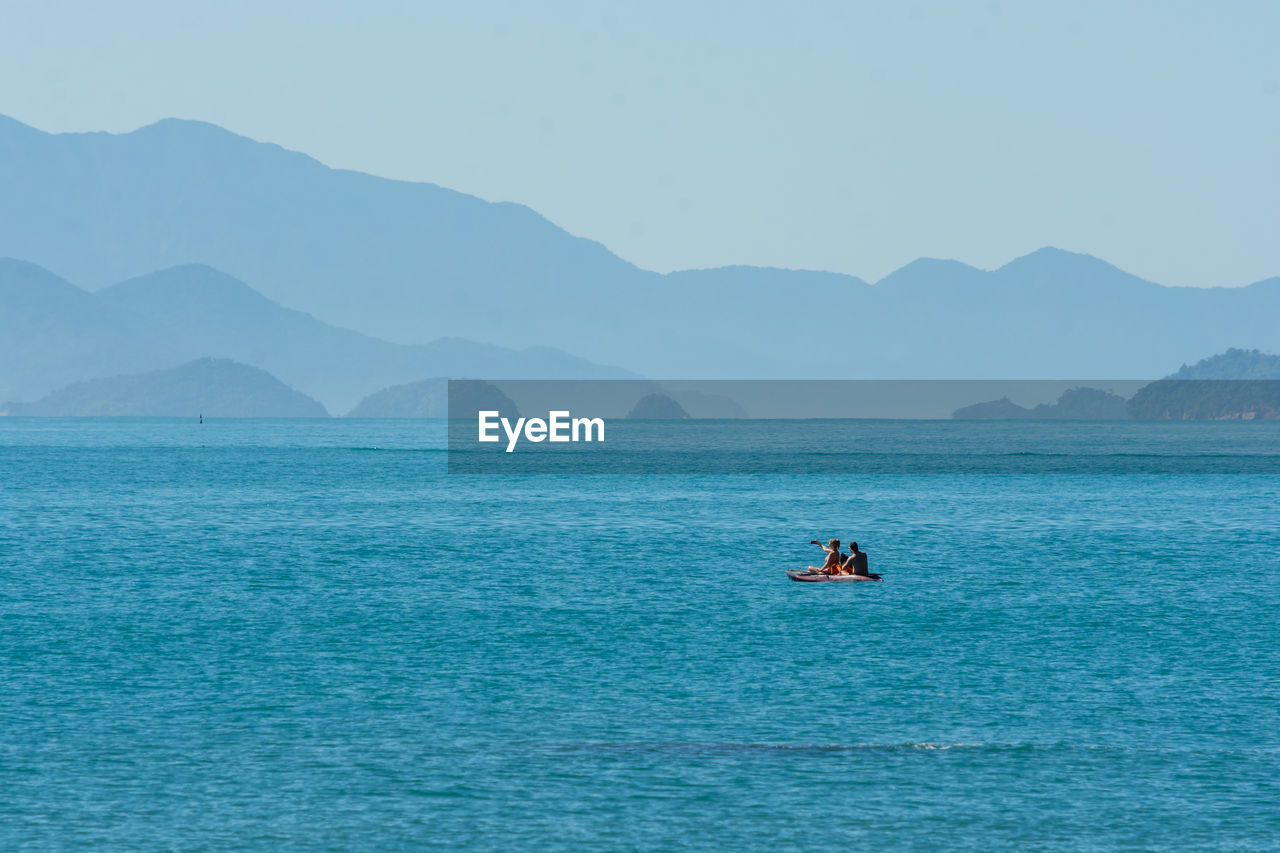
(415,263)
(53,333)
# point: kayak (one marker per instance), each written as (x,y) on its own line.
(813,575)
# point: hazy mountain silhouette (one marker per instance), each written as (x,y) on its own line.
(405,261)
(416,262)
(1075,404)
(432,398)
(1233,364)
(1003,409)
(1233,385)
(1207,399)
(1236,385)
(657,407)
(1054,313)
(213,387)
(53,333)
(426,398)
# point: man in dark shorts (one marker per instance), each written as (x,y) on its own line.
(857,562)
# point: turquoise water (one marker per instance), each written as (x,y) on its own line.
(287,639)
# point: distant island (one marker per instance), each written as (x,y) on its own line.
(1235,385)
(1233,364)
(214,387)
(1207,400)
(657,407)
(1076,404)
(428,398)
(431,398)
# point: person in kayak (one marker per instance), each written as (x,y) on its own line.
(856,564)
(832,565)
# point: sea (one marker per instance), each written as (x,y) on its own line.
(309,635)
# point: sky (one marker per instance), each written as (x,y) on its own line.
(844,136)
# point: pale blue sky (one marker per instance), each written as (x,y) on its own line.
(843,136)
